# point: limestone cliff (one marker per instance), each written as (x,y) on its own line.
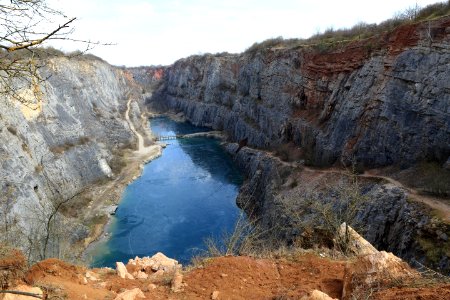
(56,143)
(379,105)
(381,101)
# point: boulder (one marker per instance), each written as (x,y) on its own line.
(130,295)
(122,271)
(26,289)
(374,270)
(164,263)
(353,242)
(152,264)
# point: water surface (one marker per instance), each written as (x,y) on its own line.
(182,197)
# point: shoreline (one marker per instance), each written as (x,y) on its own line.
(136,162)
(118,188)
(107,196)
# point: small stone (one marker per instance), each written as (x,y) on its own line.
(317,295)
(151,286)
(92,276)
(85,281)
(223,275)
(130,294)
(215,295)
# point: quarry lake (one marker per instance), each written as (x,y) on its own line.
(183,197)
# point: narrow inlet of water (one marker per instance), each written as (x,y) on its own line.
(183,197)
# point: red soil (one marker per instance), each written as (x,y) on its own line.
(232,277)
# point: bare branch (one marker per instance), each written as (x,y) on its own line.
(28,44)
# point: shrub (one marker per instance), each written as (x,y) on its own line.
(59,149)
(38,168)
(267,44)
(330,38)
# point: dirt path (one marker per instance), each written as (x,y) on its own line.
(442,208)
(433,202)
(142,150)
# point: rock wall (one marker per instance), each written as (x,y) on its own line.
(379,105)
(376,102)
(60,140)
(386,217)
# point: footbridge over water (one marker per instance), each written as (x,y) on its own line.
(211,134)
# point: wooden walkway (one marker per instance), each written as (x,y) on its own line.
(215,134)
(169,137)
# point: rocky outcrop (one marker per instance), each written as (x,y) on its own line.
(354,243)
(371,269)
(158,262)
(389,221)
(385,106)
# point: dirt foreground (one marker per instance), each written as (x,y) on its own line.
(293,276)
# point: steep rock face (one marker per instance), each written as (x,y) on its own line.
(57,142)
(387,219)
(387,104)
(378,107)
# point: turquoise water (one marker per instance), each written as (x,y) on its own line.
(186,195)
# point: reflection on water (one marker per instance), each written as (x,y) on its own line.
(183,197)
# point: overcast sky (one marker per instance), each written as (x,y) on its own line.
(153,32)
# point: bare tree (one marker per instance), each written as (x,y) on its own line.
(26,26)
(324,209)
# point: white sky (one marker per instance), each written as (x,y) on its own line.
(153,32)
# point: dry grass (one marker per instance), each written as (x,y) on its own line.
(332,38)
(59,149)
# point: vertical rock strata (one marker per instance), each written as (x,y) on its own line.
(59,141)
(379,106)
(376,102)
